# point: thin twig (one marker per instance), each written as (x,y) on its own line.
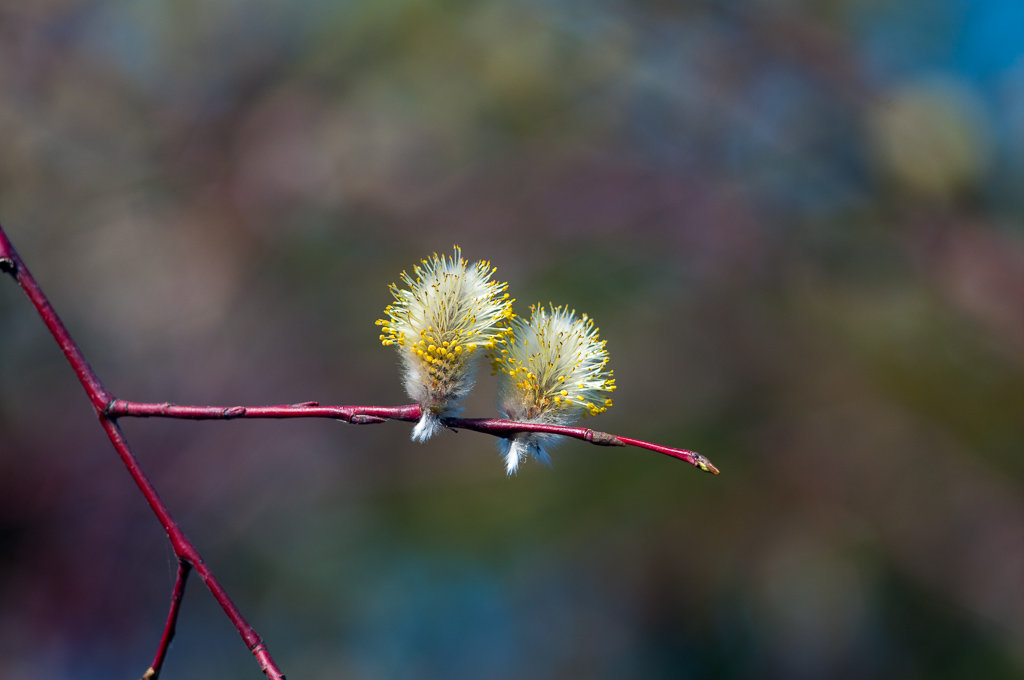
(361,415)
(153,672)
(100,398)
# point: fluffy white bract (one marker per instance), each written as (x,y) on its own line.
(551,369)
(438,322)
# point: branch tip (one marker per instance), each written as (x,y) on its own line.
(150,674)
(8,266)
(704,464)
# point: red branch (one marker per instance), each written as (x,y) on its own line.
(365,415)
(100,397)
(153,672)
(109,409)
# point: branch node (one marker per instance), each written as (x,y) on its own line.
(603,438)
(234,412)
(109,407)
(266,663)
(364,419)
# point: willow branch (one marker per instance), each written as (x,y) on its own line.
(365,415)
(100,397)
(108,409)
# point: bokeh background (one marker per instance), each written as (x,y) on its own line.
(797,224)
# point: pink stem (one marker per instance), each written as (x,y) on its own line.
(506,428)
(358,415)
(691,457)
(361,415)
(184,568)
(100,398)
(12,264)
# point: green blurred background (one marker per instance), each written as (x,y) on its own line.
(797,224)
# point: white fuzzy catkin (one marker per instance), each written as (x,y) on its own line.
(550,370)
(439,321)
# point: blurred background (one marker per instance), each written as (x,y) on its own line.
(797,224)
